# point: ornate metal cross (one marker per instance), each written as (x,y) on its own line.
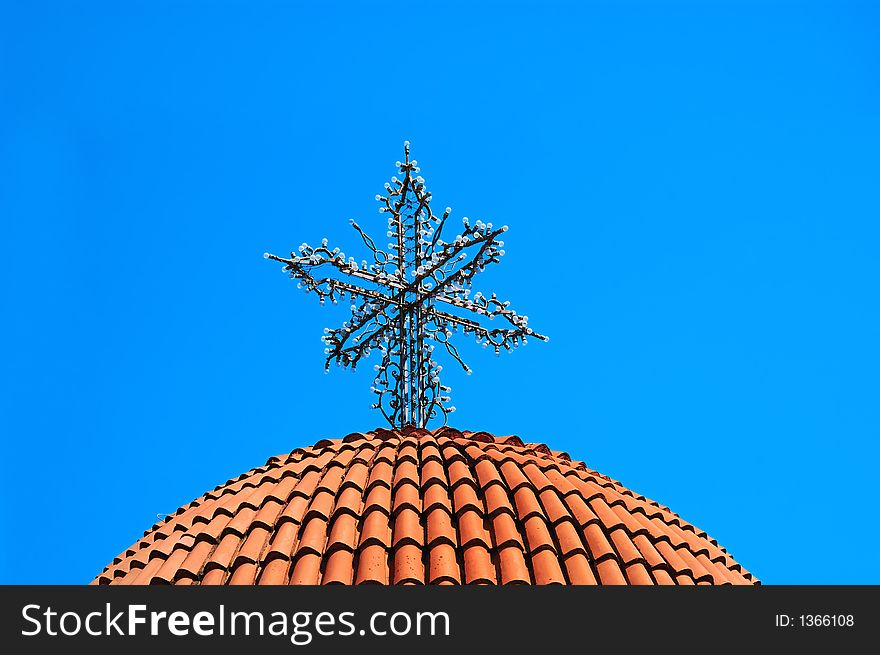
(397,299)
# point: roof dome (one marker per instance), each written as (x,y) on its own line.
(424,507)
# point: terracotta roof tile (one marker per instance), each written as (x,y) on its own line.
(357,475)
(408,567)
(252,547)
(431,450)
(526,503)
(283,540)
(163,547)
(569,539)
(627,552)
(513,475)
(607,516)
(195,560)
(295,510)
(597,542)
(478,567)
(649,553)
(407,528)
(221,558)
(436,496)
(580,510)
(275,572)
(214,577)
(145,575)
(465,498)
(699,572)
(406,471)
(267,515)
(512,563)
(487,474)
(307,569)
(422,507)
(538,536)
(676,563)
(505,531)
(381,473)
(443,564)
(313,535)
(546,568)
(372,564)
(349,501)
(496,500)
(577,567)
(637,574)
(170,569)
(376,527)
(433,471)
(406,496)
(632,526)
(459,474)
(610,573)
(339,568)
(440,528)
(662,577)
(554,506)
(240,522)
(244,574)
(472,530)
(378,496)
(343,533)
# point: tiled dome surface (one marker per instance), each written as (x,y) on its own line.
(417,506)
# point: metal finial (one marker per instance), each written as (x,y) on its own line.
(399,313)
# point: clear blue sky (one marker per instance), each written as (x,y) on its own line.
(692,194)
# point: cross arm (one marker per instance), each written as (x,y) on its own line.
(300,266)
(437,266)
(365,327)
(490,308)
(506,338)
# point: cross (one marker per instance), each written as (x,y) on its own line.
(410,299)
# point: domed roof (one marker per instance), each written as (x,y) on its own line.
(417,506)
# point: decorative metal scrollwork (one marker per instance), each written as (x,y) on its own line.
(410,299)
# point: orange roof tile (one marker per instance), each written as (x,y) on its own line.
(424,507)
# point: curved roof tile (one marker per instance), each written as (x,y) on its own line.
(424,507)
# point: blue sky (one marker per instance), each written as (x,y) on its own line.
(691,190)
